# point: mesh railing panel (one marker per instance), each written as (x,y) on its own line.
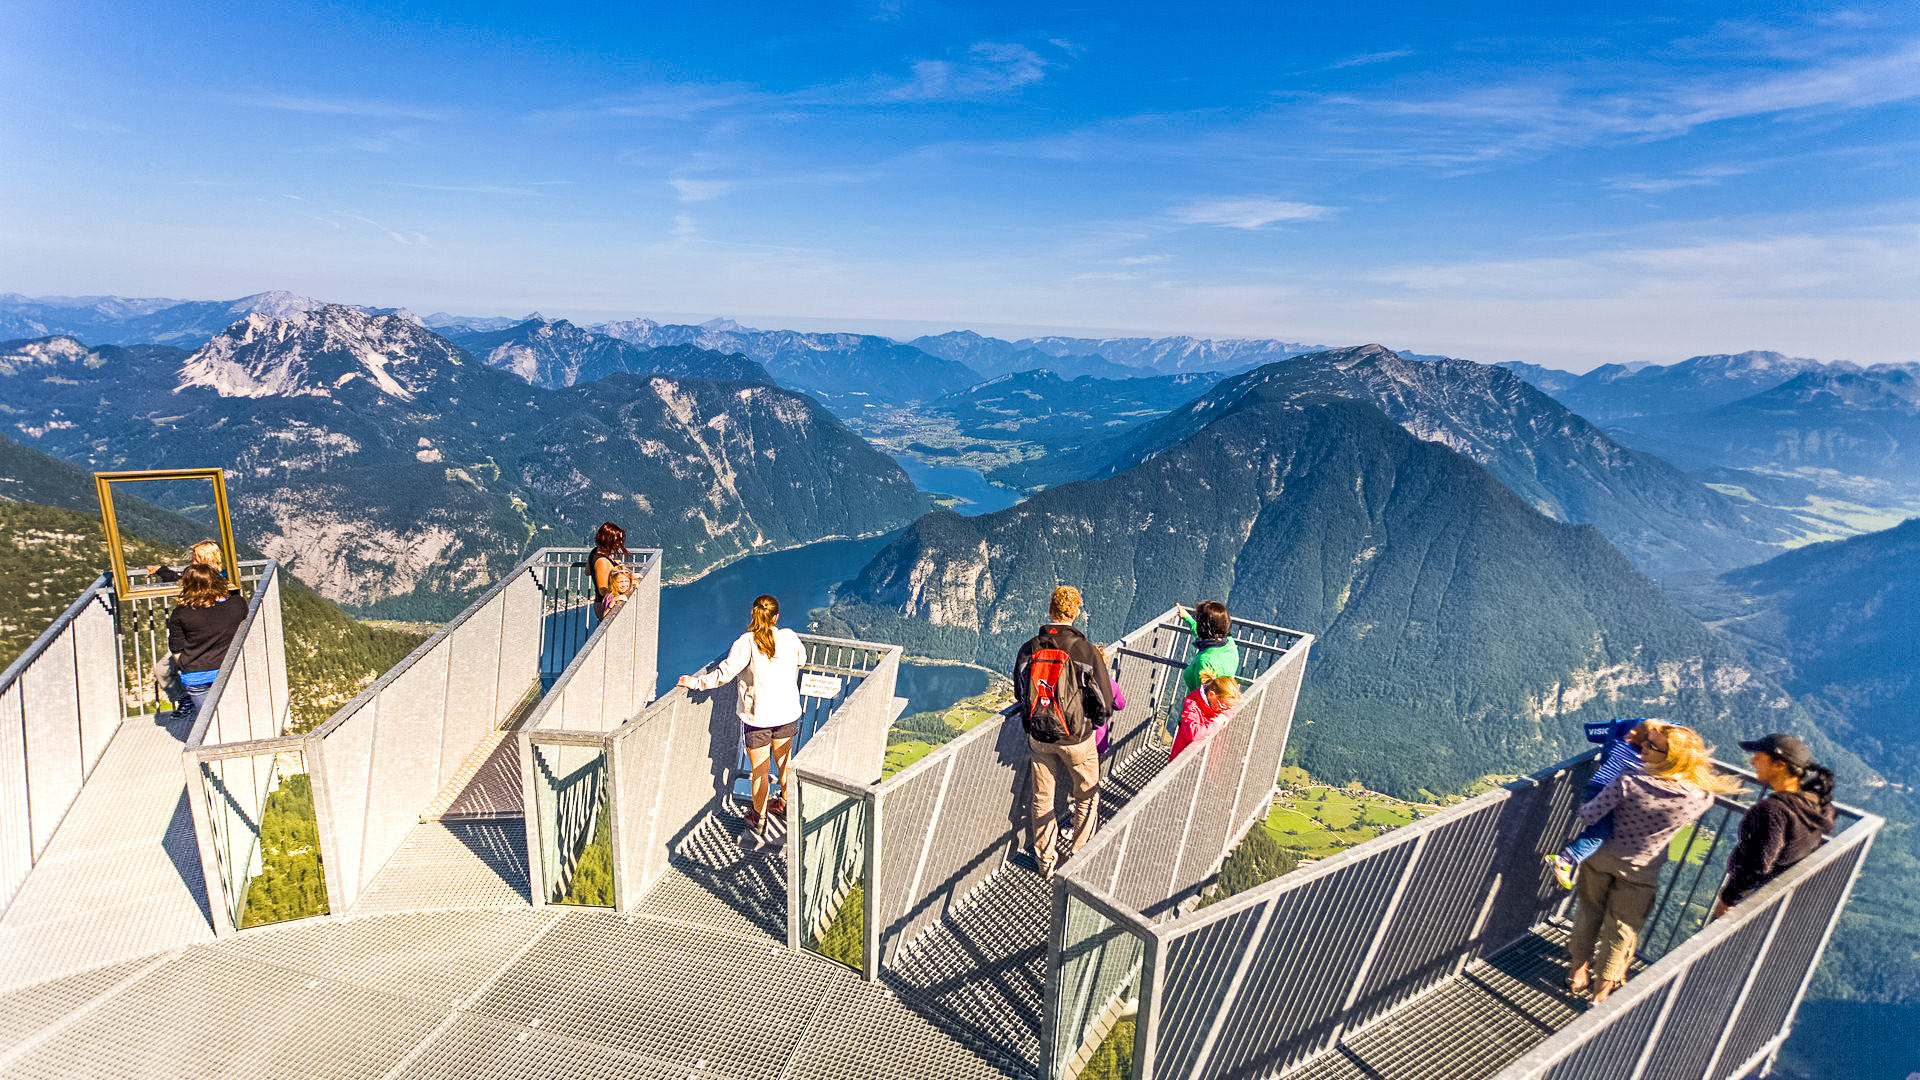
(1159,820)
(58,710)
(1201,970)
(1795,946)
(380,760)
(1303,968)
(1612,1053)
(1689,883)
(1445,893)
(1705,1003)
(141,624)
(928,860)
(669,763)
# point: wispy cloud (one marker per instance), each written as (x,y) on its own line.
(990,69)
(338,106)
(1692,178)
(470,189)
(693,189)
(1364,59)
(1566,109)
(1248,213)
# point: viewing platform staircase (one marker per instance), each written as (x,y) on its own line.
(527,866)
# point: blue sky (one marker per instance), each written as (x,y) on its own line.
(1495,181)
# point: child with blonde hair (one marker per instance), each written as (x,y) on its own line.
(1204,709)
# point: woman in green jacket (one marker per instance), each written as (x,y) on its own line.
(1214,651)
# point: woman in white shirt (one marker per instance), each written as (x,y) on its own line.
(766,659)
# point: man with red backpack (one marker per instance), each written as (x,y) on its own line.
(1062,692)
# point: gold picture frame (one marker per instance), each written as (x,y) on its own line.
(103,483)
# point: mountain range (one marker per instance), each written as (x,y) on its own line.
(1460,630)
(396,475)
(1669,524)
(558,354)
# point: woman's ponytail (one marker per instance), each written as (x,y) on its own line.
(766,610)
(1817,781)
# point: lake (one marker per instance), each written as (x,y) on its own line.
(970,485)
(699,620)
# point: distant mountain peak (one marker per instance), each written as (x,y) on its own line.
(319,352)
(42,352)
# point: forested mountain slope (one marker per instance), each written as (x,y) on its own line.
(1460,631)
(1669,524)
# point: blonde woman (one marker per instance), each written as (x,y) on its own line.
(1615,887)
(766,659)
(204,552)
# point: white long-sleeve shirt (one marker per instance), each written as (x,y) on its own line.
(769,685)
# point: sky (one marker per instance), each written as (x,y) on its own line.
(1525,181)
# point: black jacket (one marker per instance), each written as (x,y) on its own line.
(1096,686)
(1780,830)
(199,636)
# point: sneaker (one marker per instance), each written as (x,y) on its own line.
(777,807)
(754,820)
(1562,871)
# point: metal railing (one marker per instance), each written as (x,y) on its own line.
(381,758)
(58,711)
(1718,998)
(1149,864)
(236,755)
(1273,978)
(619,801)
(926,838)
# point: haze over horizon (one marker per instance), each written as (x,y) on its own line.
(1496,182)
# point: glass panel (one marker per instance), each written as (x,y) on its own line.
(1098,996)
(576,846)
(266,837)
(833,858)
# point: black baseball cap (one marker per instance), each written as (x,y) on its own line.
(1786,749)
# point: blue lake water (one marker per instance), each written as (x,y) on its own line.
(700,619)
(981,497)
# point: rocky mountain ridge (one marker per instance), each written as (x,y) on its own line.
(397,475)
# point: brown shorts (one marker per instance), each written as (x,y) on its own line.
(758,737)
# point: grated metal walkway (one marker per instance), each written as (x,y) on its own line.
(121,877)
(1468,1028)
(453,864)
(711,880)
(476,995)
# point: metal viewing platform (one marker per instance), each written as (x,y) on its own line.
(506,859)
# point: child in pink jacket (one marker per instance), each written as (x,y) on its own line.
(1204,709)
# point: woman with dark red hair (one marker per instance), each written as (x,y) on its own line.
(608,558)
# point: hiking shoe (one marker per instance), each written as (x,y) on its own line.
(1563,871)
(777,807)
(754,820)
(1047,860)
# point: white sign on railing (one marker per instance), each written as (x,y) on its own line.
(819,686)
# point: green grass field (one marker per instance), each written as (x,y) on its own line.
(914,737)
(1317,820)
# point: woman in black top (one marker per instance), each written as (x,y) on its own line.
(204,620)
(1786,826)
(609,555)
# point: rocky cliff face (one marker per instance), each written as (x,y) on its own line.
(1461,631)
(398,476)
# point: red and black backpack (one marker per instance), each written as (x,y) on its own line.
(1054,693)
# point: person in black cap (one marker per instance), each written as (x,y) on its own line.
(1784,827)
